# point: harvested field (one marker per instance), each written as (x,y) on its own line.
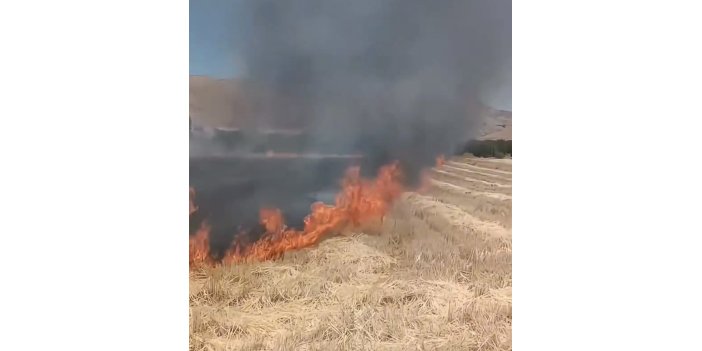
(436,274)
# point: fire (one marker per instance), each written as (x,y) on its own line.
(358,201)
(272,220)
(200,242)
(200,246)
(440,160)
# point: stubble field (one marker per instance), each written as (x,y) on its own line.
(435,274)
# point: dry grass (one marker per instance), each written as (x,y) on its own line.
(431,277)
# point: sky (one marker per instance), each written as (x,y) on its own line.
(498,93)
(215,36)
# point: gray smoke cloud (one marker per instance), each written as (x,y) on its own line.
(389,78)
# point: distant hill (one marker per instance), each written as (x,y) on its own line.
(219,103)
(232,103)
(497,125)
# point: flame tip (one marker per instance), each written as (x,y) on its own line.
(358,201)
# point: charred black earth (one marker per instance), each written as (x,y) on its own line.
(235,173)
(233,184)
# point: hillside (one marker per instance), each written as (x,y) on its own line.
(219,103)
(230,103)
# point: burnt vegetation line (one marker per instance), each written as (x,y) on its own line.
(487,148)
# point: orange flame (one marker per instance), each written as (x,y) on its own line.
(200,246)
(272,220)
(358,201)
(200,242)
(440,160)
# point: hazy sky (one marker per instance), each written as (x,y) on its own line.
(215,36)
(499,93)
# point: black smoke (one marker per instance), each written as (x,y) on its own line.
(393,79)
(389,79)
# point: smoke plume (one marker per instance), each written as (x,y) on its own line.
(392,79)
(388,79)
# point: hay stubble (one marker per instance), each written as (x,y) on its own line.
(432,276)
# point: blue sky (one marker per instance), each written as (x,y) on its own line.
(213,38)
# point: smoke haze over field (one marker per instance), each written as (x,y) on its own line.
(389,79)
(392,78)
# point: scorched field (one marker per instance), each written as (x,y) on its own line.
(434,274)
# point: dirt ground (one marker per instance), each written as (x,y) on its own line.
(436,274)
